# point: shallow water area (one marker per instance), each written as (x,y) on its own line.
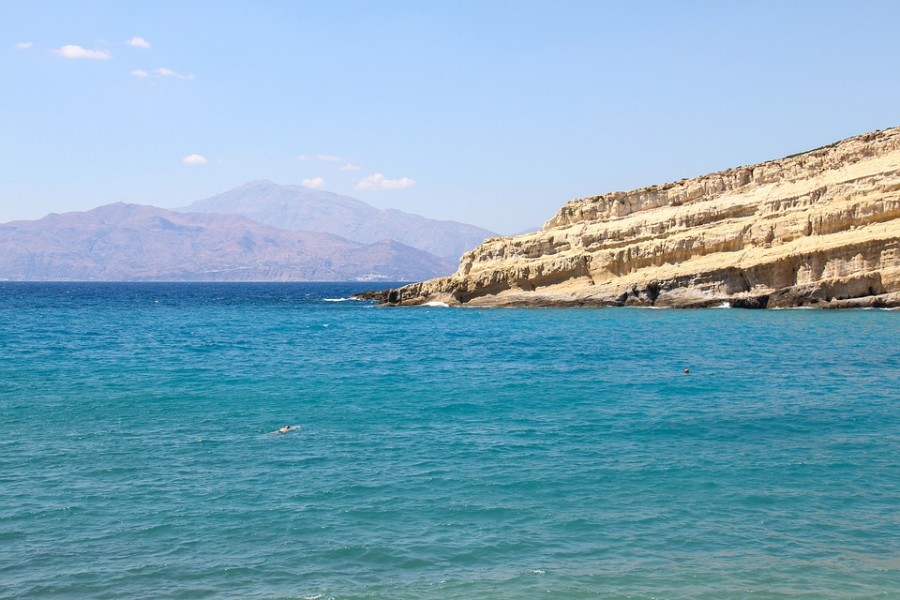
(444,453)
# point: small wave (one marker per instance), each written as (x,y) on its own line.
(336,299)
(437,303)
(725,304)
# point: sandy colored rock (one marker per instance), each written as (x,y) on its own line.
(820,228)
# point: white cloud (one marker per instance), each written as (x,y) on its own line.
(378,181)
(350,167)
(24,45)
(164,72)
(74,51)
(194,159)
(315,182)
(140,73)
(322,157)
(138,42)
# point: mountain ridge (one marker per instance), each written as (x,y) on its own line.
(132,242)
(300,208)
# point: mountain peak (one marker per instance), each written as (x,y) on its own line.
(256,183)
(300,208)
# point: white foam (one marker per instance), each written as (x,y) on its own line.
(336,299)
(437,303)
(725,304)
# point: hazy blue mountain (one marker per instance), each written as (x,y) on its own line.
(128,242)
(299,208)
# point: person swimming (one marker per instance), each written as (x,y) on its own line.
(284,429)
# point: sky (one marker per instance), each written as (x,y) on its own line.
(493,113)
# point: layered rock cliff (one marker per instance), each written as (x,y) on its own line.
(819,228)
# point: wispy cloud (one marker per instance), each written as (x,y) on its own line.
(164,72)
(194,159)
(350,167)
(138,42)
(140,73)
(378,181)
(314,182)
(24,45)
(321,157)
(75,51)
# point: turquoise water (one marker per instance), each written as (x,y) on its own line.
(444,453)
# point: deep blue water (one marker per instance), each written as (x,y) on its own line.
(444,453)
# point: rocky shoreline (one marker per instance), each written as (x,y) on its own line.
(818,229)
(784,299)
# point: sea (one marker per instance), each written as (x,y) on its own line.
(440,453)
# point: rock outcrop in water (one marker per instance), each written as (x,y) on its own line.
(820,228)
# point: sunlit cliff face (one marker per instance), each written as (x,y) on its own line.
(819,228)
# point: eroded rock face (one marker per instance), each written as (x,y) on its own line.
(820,228)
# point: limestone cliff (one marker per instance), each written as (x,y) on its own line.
(819,228)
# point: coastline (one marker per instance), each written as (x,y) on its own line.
(782,299)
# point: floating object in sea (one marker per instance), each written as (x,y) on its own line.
(284,429)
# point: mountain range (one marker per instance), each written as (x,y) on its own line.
(296,207)
(217,240)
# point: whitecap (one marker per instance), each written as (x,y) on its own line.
(335,299)
(725,304)
(437,303)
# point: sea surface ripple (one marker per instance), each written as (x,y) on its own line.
(444,453)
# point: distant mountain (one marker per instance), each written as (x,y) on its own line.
(299,208)
(127,242)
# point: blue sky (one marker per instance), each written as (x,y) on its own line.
(491,113)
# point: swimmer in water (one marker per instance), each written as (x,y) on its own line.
(284,429)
